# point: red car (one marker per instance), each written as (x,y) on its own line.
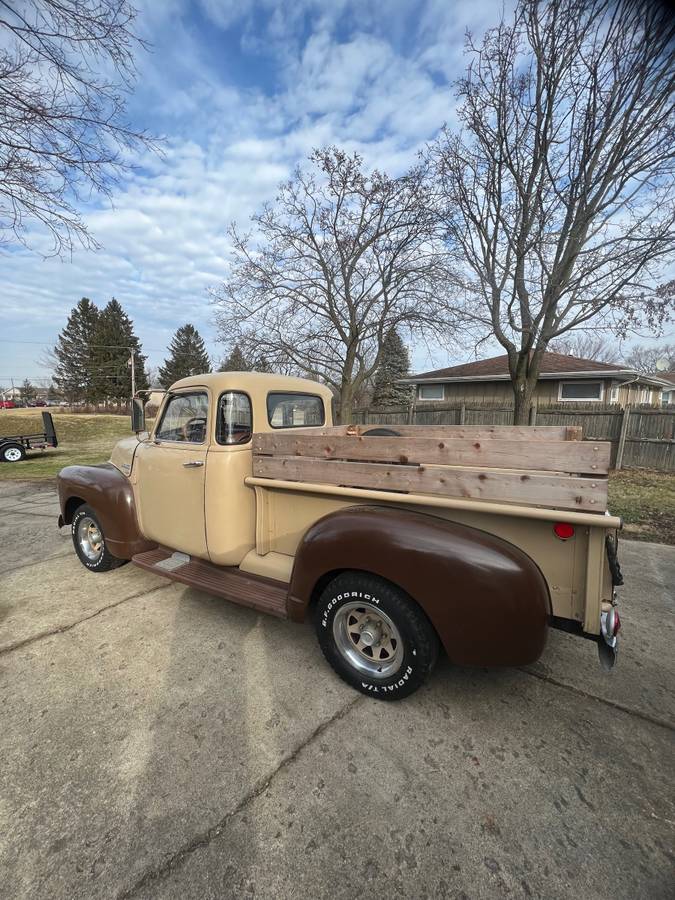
(7,404)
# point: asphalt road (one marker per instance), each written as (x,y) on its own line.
(158,742)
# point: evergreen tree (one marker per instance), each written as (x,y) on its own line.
(187,356)
(27,391)
(235,362)
(114,341)
(73,372)
(395,364)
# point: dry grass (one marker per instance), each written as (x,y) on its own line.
(646,502)
(82,439)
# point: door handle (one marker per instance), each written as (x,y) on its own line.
(195,464)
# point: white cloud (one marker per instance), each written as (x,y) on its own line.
(368,85)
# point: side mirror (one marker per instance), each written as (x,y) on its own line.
(137,415)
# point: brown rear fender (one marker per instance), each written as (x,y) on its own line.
(487,599)
(110,495)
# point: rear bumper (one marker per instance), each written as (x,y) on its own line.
(608,639)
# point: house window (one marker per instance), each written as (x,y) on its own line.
(614,394)
(430,392)
(645,395)
(580,390)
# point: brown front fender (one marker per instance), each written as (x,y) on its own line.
(486,598)
(109,494)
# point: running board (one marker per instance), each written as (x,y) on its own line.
(261,594)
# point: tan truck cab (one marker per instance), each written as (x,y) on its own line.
(399,541)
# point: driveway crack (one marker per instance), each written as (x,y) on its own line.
(62,629)
(620,706)
(179,857)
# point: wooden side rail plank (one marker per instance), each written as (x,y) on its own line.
(586,457)
(558,491)
(482,432)
(479,432)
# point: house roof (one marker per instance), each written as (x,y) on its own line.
(553,365)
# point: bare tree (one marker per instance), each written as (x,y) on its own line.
(655,360)
(587,345)
(65,67)
(339,260)
(557,195)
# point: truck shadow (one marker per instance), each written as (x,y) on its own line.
(236,694)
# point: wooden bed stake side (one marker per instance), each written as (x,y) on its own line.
(582,457)
(559,491)
(480,432)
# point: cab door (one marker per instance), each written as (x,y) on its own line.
(171,474)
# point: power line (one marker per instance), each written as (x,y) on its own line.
(98,346)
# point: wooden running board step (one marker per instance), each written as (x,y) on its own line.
(261,594)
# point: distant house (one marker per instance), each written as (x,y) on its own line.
(563,379)
(668,393)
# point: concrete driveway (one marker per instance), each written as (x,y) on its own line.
(158,742)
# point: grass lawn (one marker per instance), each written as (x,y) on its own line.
(82,439)
(644,499)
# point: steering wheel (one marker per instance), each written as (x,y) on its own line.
(189,427)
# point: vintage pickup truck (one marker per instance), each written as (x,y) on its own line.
(398,541)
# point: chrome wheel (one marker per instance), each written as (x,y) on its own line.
(368,639)
(89,538)
(12,454)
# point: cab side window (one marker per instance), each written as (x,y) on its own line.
(184,419)
(235,422)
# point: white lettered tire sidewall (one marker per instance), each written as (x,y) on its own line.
(105,561)
(420,643)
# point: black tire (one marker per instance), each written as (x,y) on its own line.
(334,612)
(15,451)
(103,560)
(381,432)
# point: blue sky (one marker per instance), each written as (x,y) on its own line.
(241,91)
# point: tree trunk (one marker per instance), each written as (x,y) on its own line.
(345,404)
(524,383)
(522,404)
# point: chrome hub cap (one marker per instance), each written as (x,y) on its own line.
(13,454)
(368,639)
(89,538)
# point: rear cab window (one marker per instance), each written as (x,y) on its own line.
(184,418)
(294,410)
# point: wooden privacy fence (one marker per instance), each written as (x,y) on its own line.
(640,437)
(551,467)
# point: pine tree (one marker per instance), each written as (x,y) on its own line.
(114,341)
(235,362)
(73,373)
(188,356)
(27,391)
(395,364)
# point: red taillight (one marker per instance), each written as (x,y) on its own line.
(617,622)
(563,530)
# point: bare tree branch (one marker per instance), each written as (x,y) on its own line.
(65,68)
(557,195)
(341,259)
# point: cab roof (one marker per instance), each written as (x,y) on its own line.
(253,383)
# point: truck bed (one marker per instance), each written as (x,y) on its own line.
(549,467)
